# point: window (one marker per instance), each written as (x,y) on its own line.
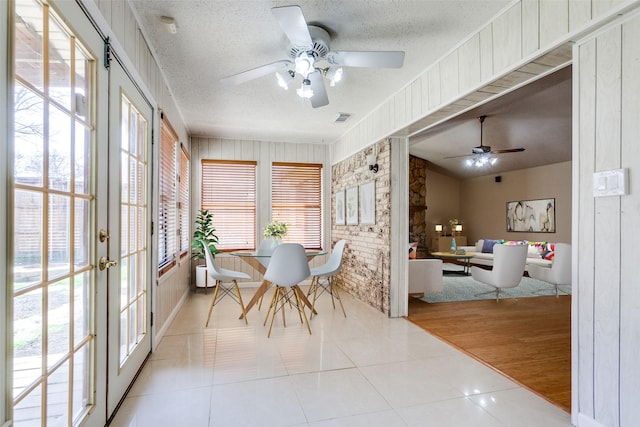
(183,206)
(167,202)
(229,191)
(296,199)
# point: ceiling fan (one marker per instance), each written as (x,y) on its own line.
(482,153)
(312,58)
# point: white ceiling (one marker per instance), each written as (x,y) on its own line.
(218,38)
(536,117)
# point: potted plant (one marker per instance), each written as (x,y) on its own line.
(203,234)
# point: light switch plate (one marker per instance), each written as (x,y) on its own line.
(610,183)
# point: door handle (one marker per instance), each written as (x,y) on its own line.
(104,235)
(106,263)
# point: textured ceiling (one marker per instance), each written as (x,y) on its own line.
(219,38)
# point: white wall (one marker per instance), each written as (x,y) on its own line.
(606,305)
(117,21)
(264,153)
(483,202)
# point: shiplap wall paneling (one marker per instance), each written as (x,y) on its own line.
(416,99)
(507,39)
(433,77)
(486,53)
(630,223)
(601,7)
(399,109)
(449,87)
(579,13)
(607,231)
(424,93)
(554,20)
(469,74)
(530,26)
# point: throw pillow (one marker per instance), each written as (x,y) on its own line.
(548,252)
(413,248)
(487,246)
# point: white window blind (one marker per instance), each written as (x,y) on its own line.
(183,206)
(296,199)
(229,192)
(167,224)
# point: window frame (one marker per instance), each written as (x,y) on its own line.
(311,195)
(167,261)
(246,180)
(184,196)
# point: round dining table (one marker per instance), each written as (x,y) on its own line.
(259,260)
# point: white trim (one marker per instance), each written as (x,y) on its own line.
(159,333)
(586,421)
(399,280)
(127,64)
(4,174)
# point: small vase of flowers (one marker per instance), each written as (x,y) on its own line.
(275,230)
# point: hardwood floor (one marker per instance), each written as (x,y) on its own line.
(526,339)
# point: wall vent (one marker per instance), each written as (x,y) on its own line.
(342,117)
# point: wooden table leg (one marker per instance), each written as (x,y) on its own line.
(262,289)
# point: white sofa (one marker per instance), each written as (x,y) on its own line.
(482,258)
(425,275)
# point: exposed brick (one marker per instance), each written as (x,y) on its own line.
(365,270)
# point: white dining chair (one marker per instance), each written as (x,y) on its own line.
(288,267)
(322,277)
(221,275)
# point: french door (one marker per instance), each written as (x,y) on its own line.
(128,261)
(56,329)
(80,222)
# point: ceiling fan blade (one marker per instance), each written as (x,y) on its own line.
(509,150)
(319,98)
(380,59)
(293,24)
(461,155)
(252,74)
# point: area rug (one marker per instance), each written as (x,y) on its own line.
(464,288)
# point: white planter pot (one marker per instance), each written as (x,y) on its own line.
(201,276)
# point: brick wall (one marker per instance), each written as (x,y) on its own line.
(365,270)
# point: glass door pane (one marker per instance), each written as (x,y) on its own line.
(53,280)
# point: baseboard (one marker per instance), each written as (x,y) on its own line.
(160,332)
(586,421)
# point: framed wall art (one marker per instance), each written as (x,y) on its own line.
(368,203)
(340,208)
(352,206)
(534,216)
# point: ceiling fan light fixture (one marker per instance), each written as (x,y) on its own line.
(481,160)
(285,78)
(304,64)
(334,75)
(305,91)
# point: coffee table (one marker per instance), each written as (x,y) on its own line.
(465,258)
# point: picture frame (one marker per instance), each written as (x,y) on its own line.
(532,216)
(351,205)
(368,203)
(340,208)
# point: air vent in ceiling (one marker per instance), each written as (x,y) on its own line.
(342,117)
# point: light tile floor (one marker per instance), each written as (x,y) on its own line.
(366,370)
